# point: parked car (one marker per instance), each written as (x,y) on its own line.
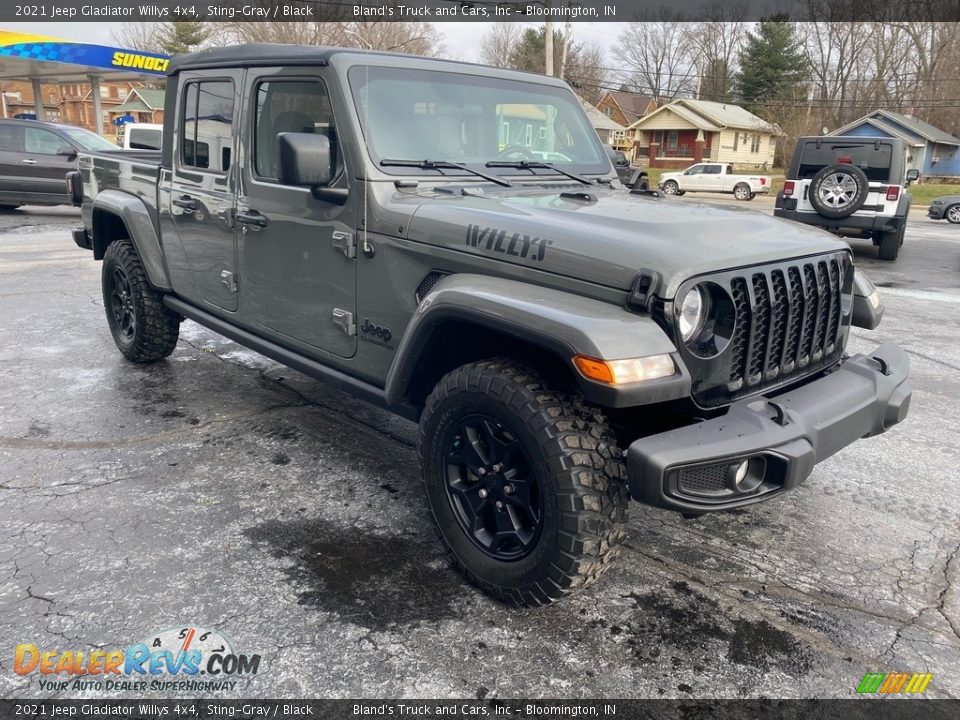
(714,177)
(140,136)
(34,158)
(945,208)
(563,344)
(852,186)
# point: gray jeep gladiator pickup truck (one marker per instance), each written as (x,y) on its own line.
(450,242)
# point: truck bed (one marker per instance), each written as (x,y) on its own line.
(135,172)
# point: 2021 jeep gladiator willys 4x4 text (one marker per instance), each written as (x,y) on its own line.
(382,222)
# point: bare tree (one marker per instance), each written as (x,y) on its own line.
(497,43)
(140,36)
(717,43)
(660,56)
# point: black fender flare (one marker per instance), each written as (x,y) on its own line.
(111,206)
(559,322)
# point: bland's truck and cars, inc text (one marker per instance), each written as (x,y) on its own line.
(376,221)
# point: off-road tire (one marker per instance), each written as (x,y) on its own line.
(889,244)
(741,191)
(576,460)
(952,214)
(154,328)
(827,175)
(670,187)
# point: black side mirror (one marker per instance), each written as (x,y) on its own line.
(912,175)
(306,160)
(66,151)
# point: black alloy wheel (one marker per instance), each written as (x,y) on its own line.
(121,304)
(495,496)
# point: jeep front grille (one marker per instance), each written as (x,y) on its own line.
(788,324)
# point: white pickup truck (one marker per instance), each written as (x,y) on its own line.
(714,177)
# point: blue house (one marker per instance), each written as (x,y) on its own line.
(930,150)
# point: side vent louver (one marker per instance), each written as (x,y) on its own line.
(427,284)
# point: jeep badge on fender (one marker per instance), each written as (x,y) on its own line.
(564,344)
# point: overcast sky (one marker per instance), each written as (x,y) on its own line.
(462,39)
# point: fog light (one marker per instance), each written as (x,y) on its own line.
(740,473)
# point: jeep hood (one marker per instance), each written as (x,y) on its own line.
(606,236)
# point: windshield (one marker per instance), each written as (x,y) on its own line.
(430,115)
(88,140)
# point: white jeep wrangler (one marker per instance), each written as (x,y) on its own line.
(852,186)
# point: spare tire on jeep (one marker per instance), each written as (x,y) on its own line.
(839,190)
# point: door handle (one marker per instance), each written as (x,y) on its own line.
(186,202)
(29,161)
(252,217)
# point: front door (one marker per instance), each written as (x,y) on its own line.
(297,253)
(693,179)
(202,195)
(46,161)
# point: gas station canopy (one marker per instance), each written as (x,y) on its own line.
(42,59)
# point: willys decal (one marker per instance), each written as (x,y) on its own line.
(517,244)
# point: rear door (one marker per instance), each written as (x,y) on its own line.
(202,196)
(874,158)
(712,179)
(297,252)
(44,168)
(11,156)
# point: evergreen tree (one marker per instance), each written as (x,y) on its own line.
(773,66)
(182,36)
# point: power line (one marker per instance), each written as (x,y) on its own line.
(939,103)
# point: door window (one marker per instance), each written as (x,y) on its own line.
(711,169)
(206,126)
(695,170)
(41,142)
(301,106)
(9,139)
(145,138)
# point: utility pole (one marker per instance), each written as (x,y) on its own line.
(566,47)
(548,46)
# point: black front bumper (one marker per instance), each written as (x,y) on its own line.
(692,469)
(935,212)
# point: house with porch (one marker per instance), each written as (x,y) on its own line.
(690,131)
(932,151)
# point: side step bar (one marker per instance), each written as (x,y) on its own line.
(340,380)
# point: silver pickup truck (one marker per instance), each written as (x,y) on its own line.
(388,224)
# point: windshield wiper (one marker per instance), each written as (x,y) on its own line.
(445,164)
(530,165)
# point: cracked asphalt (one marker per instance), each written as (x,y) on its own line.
(220,489)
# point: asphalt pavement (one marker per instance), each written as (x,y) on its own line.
(220,490)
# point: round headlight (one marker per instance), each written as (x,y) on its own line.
(705,319)
(691,316)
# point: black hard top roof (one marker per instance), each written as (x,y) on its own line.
(253,54)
